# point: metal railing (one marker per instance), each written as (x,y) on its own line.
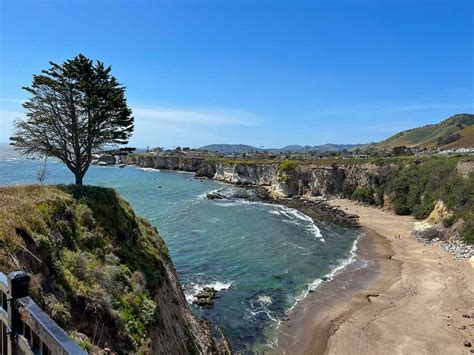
(25,327)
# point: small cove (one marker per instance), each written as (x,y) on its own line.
(261,257)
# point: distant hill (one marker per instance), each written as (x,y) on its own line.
(455,132)
(242,148)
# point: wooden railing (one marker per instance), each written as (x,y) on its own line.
(25,328)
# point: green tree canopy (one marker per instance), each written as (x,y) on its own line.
(75,109)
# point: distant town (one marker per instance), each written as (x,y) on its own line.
(114,156)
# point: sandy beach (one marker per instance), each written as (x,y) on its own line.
(412,299)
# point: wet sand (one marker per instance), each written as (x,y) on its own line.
(407,298)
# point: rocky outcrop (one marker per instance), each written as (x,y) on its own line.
(317,209)
(205,297)
(105,159)
(433,230)
(245,174)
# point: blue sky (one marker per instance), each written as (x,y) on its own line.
(265,73)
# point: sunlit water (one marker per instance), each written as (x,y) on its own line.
(262,258)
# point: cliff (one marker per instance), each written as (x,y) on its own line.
(406,185)
(308,178)
(100,271)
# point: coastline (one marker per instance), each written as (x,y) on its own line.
(315,318)
(415,299)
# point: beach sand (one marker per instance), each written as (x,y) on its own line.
(410,299)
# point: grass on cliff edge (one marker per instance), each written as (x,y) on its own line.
(91,259)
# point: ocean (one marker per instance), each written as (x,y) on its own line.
(262,258)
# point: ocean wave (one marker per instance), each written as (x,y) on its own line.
(289,215)
(204,194)
(295,217)
(184,172)
(259,305)
(148,169)
(190,289)
(316,283)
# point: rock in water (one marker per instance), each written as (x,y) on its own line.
(214,196)
(205,297)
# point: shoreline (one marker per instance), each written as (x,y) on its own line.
(332,302)
(416,299)
(419,300)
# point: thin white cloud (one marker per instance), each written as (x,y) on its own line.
(406,108)
(195,116)
(171,126)
(14,101)
(372,109)
(166,123)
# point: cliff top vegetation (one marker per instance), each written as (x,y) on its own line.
(89,256)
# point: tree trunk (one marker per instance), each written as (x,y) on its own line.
(79,179)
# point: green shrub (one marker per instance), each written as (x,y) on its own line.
(401,209)
(347,189)
(287,166)
(44,244)
(467,231)
(423,208)
(363,194)
(449,221)
(58,311)
(148,311)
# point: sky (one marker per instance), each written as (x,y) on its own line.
(264,73)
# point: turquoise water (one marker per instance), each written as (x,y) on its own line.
(263,258)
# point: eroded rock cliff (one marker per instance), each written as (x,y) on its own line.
(304,179)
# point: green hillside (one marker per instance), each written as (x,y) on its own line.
(97,268)
(453,132)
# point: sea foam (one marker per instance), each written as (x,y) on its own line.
(193,288)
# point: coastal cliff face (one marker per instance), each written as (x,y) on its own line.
(245,174)
(309,180)
(166,163)
(100,271)
(406,185)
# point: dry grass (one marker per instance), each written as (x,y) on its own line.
(466,140)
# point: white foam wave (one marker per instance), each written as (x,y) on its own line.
(290,215)
(193,288)
(315,284)
(295,217)
(264,299)
(204,194)
(260,305)
(184,172)
(148,169)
